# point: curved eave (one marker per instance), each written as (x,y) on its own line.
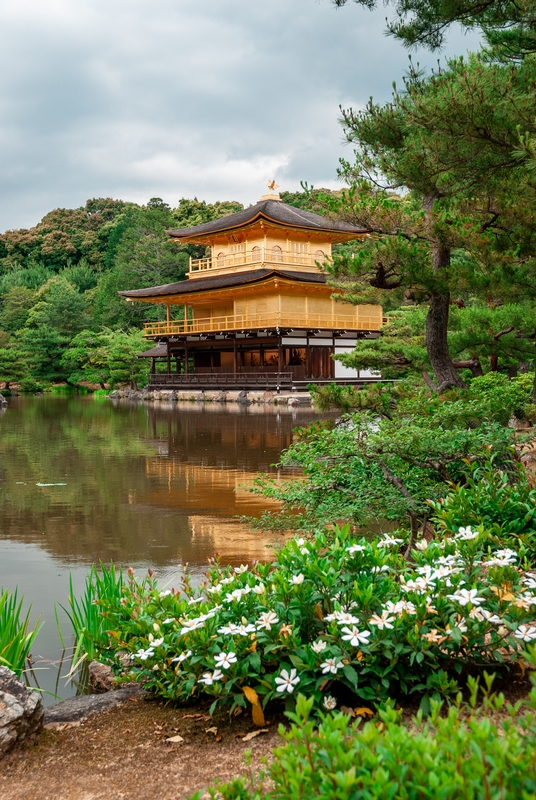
(189,236)
(188,289)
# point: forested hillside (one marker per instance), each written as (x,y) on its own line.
(61,319)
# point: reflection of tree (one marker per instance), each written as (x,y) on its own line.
(116,503)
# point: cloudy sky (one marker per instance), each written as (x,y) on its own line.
(179,98)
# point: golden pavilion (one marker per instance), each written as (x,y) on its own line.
(257,312)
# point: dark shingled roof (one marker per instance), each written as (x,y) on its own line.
(222,281)
(275,211)
(154,352)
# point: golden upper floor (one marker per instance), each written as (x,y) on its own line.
(270,234)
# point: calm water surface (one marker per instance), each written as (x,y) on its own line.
(84,480)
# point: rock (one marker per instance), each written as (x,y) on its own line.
(100,678)
(268,397)
(173,396)
(293,401)
(14,393)
(221,397)
(243,399)
(3,401)
(78,708)
(200,397)
(21,711)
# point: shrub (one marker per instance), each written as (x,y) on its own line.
(335,617)
(15,636)
(463,754)
(502,500)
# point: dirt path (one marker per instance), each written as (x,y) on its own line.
(122,754)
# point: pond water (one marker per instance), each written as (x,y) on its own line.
(85,480)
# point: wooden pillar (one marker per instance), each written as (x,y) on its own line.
(168,316)
(153,366)
(234,357)
(168,358)
(186,320)
(307,359)
(186,365)
(279,355)
(177,368)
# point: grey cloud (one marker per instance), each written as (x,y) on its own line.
(181,97)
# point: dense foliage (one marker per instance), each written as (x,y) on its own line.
(465,753)
(399,450)
(338,618)
(61,319)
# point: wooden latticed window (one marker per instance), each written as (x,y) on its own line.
(256,253)
(220,259)
(277,253)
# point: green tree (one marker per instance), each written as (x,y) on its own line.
(106,357)
(510,27)
(15,307)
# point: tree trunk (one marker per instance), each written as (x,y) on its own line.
(436,343)
(493,363)
(438,313)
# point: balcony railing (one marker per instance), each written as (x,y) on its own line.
(243,322)
(258,256)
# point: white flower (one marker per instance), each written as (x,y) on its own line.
(511,555)
(244,630)
(300,542)
(210,677)
(466,596)
(344,618)
(214,589)
(466,534)
(355,637)
(240,569)
(297,579)
(165,593)
(384,568)
(529,580)
(388,541)
(331,665)
(329,703)
(286,682)
(260,588)
(356,548)
(143,655)
(195,600)
(460,624)
(235,595)
(224,660)
(228,630)
(383,621)
(304,551)
(266,620)
(168,621)
(182,657)
(225,581)
(422,545)
(191,625)
(331,617)
(419,585)
(483,615)
(527,633)
(400,607)
(319,646)
(497,561)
